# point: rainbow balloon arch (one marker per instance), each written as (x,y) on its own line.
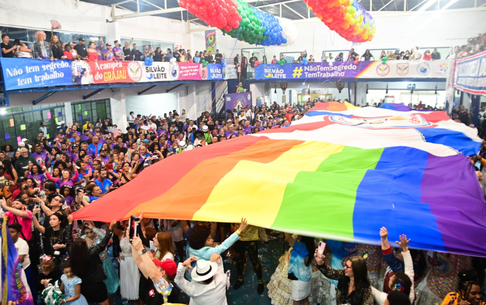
(250,24)
(346,17)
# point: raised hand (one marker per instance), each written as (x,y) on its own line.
(243,225)
(403,242)
(319,260)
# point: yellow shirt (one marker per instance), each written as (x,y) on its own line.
(249,234)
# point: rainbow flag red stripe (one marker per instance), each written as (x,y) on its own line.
(326,178)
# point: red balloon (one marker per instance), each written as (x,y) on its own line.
(183,4)
(228,28)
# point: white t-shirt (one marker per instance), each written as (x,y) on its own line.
(23,249)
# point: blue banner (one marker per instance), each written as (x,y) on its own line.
(215,71)
(471,74)
(20,73)
(313,70)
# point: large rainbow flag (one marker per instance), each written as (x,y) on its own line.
(14,289)
(340,175)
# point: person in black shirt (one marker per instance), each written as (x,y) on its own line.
(126,50)
(244,67)
(188,55)
(81,49)
(352,55)
(56,46)
(253,58)
(435,55)
(236,60)
(136,54)
(209,57)
(218,57)
(367,56)
(8,49)
(158,54)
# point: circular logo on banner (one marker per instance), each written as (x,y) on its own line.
(81,73)
(173,71)
(423,68)
(203,72)
(134,71)
(383,69)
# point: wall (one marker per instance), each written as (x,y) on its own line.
(155,104)
(394,30)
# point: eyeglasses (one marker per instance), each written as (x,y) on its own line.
(347,267)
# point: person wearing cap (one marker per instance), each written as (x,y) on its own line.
(81,49)
(208,285)
(108,53)
(207,135)
(161,274)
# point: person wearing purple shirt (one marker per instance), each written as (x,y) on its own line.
(231,131)
(117,51)
(39,155)
(104,158)
(66,178)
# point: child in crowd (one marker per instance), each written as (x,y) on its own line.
(71,286)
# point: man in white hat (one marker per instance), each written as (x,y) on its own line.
(26,142)
(208,285)
(207,135)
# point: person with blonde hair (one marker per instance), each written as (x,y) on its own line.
(42,49)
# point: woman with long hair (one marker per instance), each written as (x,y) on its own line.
(353,286)
(10,175)
(158,54)
(92,53)
(86,263)
(56,47)
(165,247)
(93,237)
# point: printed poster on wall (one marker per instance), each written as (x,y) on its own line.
(211,41)
(237,100)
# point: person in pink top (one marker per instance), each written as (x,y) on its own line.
(67,178)
(18,213)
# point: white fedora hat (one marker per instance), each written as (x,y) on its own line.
(204,270)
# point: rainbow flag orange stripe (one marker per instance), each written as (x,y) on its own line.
(325,179)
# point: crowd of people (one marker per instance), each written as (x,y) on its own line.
(474,45)
(55,49)
(43,181)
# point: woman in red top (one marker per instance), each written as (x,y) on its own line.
(92,53)
(427,55)
(67,52)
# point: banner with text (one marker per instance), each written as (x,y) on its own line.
(33,73)
(361,69)
(237,100)
(470,74)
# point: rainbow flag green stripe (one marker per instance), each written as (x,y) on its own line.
(294,180)
(327,196)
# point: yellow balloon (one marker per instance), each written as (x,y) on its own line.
(352,21)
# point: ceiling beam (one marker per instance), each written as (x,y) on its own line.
(297,13)
(385,5)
